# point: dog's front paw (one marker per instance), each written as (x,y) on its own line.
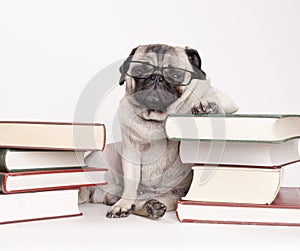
(155,209)
(202,107)
(122,208)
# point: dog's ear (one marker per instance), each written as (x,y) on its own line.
(195,60)
(124,67)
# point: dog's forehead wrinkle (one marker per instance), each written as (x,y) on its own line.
(177,59)
(145,57)
(159,49)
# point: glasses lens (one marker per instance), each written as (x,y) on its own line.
(139,70)
(177,76)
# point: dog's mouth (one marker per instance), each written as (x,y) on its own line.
(154,93)
(155,100)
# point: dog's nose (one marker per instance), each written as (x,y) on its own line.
(156,78)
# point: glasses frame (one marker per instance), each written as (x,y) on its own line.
(161,69)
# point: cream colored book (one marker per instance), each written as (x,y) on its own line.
(239,153)
(233,127)
(234,184)
(52,135)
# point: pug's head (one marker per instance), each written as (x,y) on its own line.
(157,75)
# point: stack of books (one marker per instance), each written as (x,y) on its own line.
(238,165)
(42,167)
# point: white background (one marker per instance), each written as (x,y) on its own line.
(49,50)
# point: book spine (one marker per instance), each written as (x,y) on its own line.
(3,167)
(2,183)
(3,178)
(104,138)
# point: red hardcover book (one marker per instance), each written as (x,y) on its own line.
(23,207)
(32,181)
(52,135)
(284,211)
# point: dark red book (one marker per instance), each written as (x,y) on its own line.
(46,205)
(32,181)
(284,211)
(52,135)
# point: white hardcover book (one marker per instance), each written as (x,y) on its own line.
(38,205)
(233,127)
(234,184)
(239,153)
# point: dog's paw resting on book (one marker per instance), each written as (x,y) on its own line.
(214,102)
(205,108)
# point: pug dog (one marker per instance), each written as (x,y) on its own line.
(148,177)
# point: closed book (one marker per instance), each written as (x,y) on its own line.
(284,211)
(16,160)
(264,155)
(38,206)
(52,135)
(233,127)
(234,184)
(31,181)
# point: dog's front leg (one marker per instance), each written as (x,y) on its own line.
(131,172)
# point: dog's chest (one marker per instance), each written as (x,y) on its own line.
(161,167)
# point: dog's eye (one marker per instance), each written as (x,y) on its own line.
(140,70)
(175,75)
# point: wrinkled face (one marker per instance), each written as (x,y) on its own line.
(158,75)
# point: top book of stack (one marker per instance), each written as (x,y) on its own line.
(233,127)
(52,136)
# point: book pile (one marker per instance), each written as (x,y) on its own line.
(238,165)
(42,167)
